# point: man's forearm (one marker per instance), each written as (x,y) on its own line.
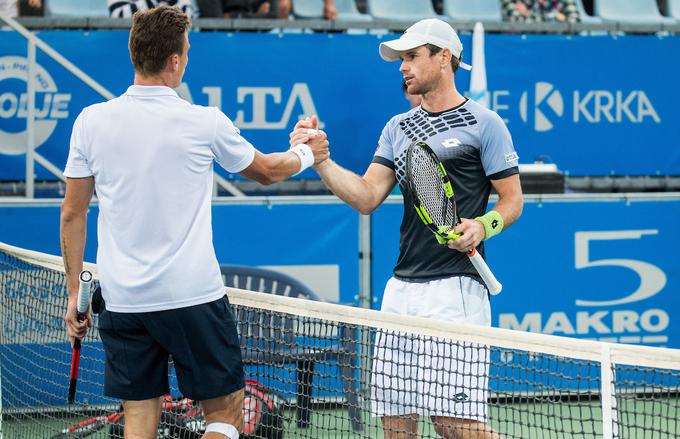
(510,207)
(282,165)
(272,168)
(346,185)
(73,232)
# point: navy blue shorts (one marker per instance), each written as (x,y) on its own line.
(202,340)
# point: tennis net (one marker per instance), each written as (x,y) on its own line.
(325,370)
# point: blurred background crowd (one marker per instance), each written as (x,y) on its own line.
(521,11)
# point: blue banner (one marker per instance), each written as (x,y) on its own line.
(307,241)
(601,270)
(316,252)
(611,120)
(597,270)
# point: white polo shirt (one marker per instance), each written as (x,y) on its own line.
(151,156)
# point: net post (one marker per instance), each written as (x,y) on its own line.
(607,395)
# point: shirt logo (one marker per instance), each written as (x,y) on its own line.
(512,157)
(451,143)
(460,397)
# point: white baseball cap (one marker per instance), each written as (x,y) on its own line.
(429,31)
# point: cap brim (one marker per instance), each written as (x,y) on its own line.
(391,50)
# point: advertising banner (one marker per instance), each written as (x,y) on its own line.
(598,270)
(578,101)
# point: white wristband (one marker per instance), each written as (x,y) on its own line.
(304,153)
(220,427)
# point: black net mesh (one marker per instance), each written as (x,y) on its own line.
(318,370)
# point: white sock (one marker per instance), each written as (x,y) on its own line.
(223,428)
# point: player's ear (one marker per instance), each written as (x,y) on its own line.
(446,58)
(173,62)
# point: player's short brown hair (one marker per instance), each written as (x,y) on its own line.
(156,34)
(455,62)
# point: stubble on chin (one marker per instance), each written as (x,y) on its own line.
(418,90)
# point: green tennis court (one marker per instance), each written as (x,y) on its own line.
(550,420)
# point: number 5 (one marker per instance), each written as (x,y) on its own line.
(652,278)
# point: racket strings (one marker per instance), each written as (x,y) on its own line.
(427,184)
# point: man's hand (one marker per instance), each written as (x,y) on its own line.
(301,132)
(330,12)
(472,233)
(306,131)
(74,328)
(319,145)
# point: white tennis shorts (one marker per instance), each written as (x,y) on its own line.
(414,374)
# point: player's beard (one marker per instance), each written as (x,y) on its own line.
(421,88)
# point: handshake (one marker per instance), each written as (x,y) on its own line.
(306,132)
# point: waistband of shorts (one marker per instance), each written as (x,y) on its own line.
(422,280)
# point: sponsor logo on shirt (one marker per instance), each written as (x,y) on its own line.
(511,157)
(460,397)
(451,143)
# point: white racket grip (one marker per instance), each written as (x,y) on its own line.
(482,268)
(84,291)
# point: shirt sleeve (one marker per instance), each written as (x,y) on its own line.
(76,164)
(384,154)
(231,151)
(499,157)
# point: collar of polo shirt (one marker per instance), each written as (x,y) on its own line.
(150,90)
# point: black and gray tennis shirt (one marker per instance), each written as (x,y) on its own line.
(475,146)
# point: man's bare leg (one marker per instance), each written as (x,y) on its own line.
(401,427)
(141,418)
(225,409)
(457,428)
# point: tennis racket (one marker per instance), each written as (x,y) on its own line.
(84,291)
(90,426)
(435,202)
